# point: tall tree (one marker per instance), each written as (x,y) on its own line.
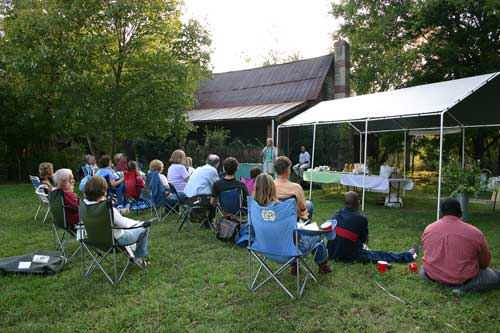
(401,43)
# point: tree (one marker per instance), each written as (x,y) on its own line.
(404,43)
(98,72)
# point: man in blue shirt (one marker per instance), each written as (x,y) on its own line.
(304,162)
(200,183)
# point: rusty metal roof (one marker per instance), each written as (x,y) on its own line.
(243,112)
(291,82)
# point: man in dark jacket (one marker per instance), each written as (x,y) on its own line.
(352,237)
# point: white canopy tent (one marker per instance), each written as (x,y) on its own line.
(443,106)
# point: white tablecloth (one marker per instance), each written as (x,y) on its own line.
(375,183)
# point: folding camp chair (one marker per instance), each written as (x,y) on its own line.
(276,239)
(99,242)
(191,205)
(154,193)
(231,202)
(41,193)
(174,200)
(137,203)
(62,231)
(35,181)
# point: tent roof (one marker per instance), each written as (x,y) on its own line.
(473,101)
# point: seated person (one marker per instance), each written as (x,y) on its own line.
(177,173)
(121,162)
(116,180)
(95,191)
(230,166)
(304,160)
(65,181)
(139,182)
(254,172)
(456,253)
(200,184)
(287,189)
(265,194)
(352,235)
(46,172)
(157,165)
(87,169)
(188,162)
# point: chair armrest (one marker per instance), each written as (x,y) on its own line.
(145,224)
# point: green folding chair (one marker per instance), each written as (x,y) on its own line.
(99,242)
(63,232)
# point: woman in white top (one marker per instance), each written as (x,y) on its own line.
(95,192)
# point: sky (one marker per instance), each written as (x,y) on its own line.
(244,31)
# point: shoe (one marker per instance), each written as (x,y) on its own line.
(324,268)
(293,269)
(123,210)
(141,262)
(414,251)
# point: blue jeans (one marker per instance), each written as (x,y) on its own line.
(374,256)
(139,236)
(487,279)
(121,199)
(310,209)
(306,243)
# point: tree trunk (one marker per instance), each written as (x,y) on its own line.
(498,159)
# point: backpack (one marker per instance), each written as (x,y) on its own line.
(227,229)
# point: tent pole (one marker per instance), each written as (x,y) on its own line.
(365,167)
(312,162)
(360,146)
(440,165)
(404,161)
(277,141)
(463,147)
(272,130)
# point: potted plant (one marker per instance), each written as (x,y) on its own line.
(464,182)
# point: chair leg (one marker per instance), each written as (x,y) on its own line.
(46,214)
(38,211)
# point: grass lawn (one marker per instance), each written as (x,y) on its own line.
(197,283)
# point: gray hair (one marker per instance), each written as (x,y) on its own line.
(62,175)
(213,160)
(351,199)
(118,157)
(88,158)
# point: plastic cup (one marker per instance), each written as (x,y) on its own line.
(382,266)
(327,226)
(413,267)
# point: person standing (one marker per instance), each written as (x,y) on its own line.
(268,155)
(456,253)
(304,162)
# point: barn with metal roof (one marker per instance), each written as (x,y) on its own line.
(251,103)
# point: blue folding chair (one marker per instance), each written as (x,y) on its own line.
(154,193)
(231,202)
(276,239)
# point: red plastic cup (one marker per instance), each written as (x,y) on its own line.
(382,266)
(327,226)
(413,267)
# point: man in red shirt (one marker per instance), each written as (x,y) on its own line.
(456,253)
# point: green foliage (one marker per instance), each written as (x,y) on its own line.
(466,180)
(99,72)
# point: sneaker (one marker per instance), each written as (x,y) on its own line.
(324,268)
(123,210)
(414,251)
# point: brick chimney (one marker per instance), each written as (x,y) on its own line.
(342,67)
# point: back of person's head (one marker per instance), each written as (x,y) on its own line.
(118,157)
(45,169)
(213,160)
(230,166)
(95,188)
(62,177)
(132,166)
(104,161)
(452,207)
(254,172)
(282,165)
(156,165)
(87,159)
(264,191)
(178,156)
(188,162)
(351,200)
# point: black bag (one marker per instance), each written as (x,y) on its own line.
(227,229)
(38,262)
